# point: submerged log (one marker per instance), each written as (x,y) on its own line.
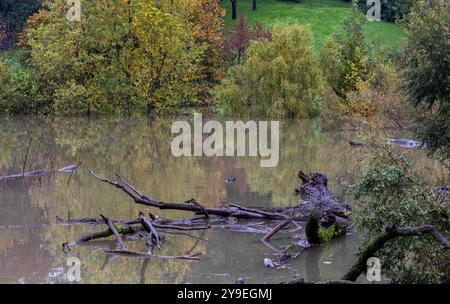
(35,173)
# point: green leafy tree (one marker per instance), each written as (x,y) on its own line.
(330,62)
(426,70)
(391,193)
(344,58)
(14,88)
(280,77)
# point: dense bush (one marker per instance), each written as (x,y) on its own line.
(390,193)
(426,70)
(15,88)
(280,77)
(344,57)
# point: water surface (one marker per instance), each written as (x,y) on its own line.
(139,148)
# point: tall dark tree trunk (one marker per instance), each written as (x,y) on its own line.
(234,9)
(254,5)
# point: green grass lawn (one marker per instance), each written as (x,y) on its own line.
(323,17)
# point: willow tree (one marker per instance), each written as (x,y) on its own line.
(280,77)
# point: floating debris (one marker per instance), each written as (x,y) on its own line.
(268,263)
(304,243)
(35,173)
(404,143)
(230,180)
(354,143)
(68,169)
(442,190)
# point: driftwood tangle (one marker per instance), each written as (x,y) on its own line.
(314,197)
(316,204)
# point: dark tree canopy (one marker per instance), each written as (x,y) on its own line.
(15,13)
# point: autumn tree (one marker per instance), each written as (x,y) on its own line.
(123,56)
(344,58)
(238,39)
(207,18)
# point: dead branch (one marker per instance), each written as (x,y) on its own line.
(419,231)
(127,228)
(147,201)
(95,236)
(278,228)
(253,210)
(148,226)
(136,254)
(35,173)
(185,228)
(129,185)
(114,231)
(194,202)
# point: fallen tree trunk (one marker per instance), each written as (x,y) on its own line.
(145,200)
(315,196)
(118,229)
(380,240)
(375,244)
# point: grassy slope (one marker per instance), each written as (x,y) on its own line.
(323,19)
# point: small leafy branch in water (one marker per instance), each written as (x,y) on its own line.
(391,194)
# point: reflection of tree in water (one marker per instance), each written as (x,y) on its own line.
(230,256)
(22,256)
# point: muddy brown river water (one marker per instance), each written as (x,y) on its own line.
(139,148)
